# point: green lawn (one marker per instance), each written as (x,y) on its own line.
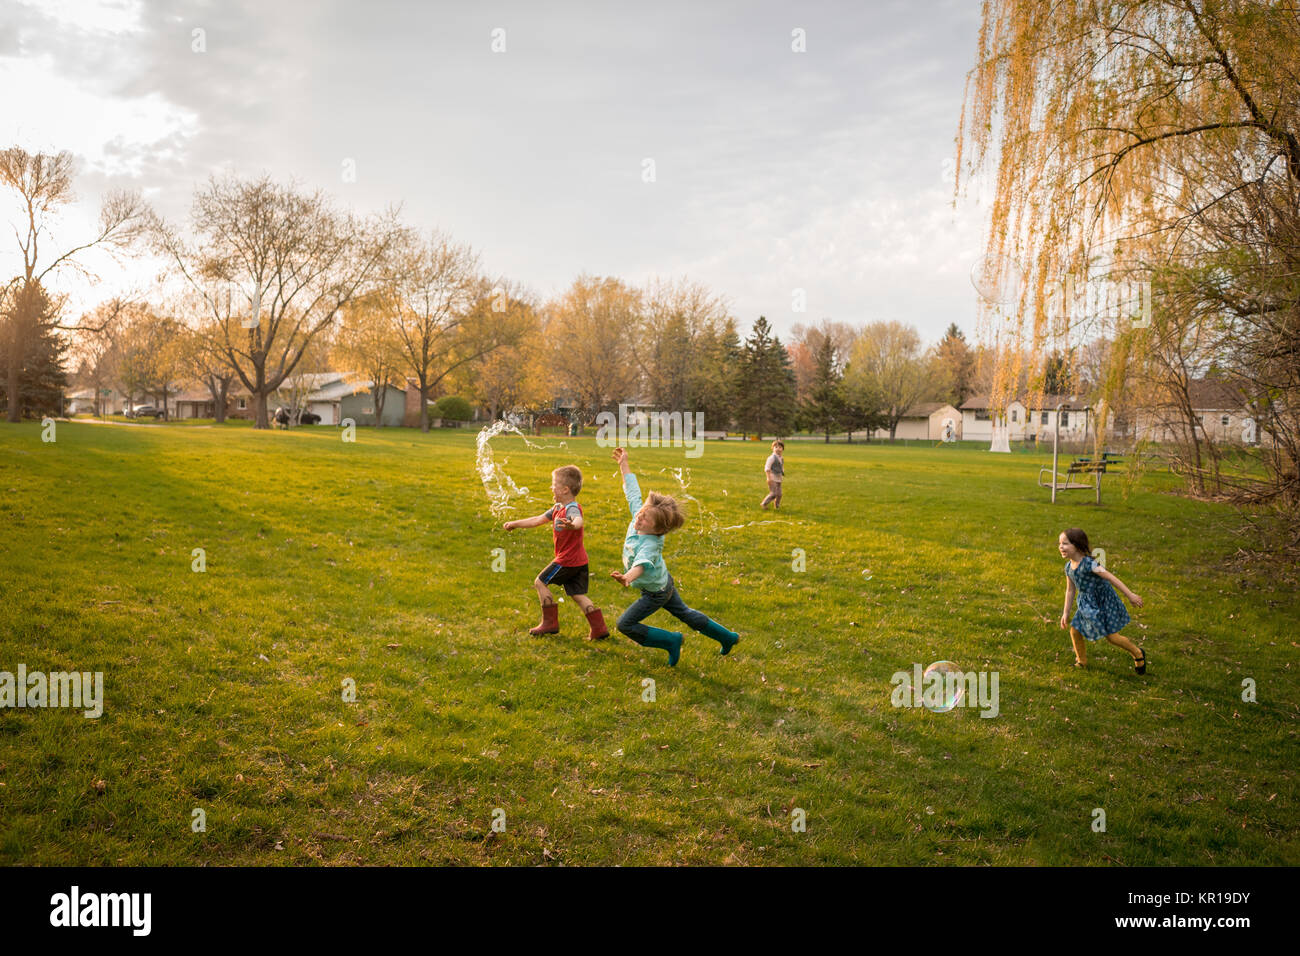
(372,561)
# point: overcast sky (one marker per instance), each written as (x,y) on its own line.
(828,170)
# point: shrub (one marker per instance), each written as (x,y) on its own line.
(453,408)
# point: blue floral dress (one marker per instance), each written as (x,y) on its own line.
(1098,610)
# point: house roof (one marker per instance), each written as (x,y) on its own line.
(925,409)
(1214,394)
(1044,403)
(336,390)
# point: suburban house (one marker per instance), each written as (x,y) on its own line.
(1028,418)
(977,419)
(194,401)
(1220,410)
(360,405)
(82,402)
(925,422)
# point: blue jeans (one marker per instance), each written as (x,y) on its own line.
(651,601)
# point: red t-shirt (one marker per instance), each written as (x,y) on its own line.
(569,551)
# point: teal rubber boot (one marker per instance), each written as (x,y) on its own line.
(728,639)
(666,641)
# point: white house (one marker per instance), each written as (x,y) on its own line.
(924,422)
(977,415)
(1028,418)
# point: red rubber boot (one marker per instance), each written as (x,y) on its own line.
(550,621)
(597,621)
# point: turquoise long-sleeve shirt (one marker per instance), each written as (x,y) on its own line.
(644,549)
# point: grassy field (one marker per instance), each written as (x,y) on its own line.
(372,561)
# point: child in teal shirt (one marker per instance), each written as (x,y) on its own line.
(644,568)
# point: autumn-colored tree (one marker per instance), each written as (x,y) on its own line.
(1149,141)
(517,375)
(204,360)
(808,342)
(149,354)
(589,331)
(886,367)
(435,296)
(368,343)
(273,267)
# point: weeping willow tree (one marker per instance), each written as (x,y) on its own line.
(1144,164)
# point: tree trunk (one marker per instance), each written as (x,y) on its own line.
(379,397)
(424,406)
(15,363)
(259,411)
(223,399)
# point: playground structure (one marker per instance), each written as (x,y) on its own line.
(1077,475)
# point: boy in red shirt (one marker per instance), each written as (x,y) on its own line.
(570,565)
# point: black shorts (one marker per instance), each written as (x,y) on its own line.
(574,579)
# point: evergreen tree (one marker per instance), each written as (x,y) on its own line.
(1058,378)
(715,378)
(954,366)
(825,405)
(766,403)
(31,321)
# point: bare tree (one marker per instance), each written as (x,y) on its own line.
(273,267)
(676,316)
(430,291)
(886,363)
(43,184)
(590,329)
(517,374)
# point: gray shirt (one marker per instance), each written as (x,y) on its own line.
(775,465)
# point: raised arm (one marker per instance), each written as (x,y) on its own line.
(631,490)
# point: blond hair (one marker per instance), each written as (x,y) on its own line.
(666,513)
(570,476)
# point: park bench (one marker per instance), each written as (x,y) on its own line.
(1083,474)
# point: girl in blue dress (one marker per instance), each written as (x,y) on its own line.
(1100,613)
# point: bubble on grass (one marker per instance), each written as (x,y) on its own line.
(866,574)
(948,685)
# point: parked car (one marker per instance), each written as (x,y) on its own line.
(144,411)
(308,418)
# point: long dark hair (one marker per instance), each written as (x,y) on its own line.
(1079,538)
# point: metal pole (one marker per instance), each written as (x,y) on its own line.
(1056,439)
